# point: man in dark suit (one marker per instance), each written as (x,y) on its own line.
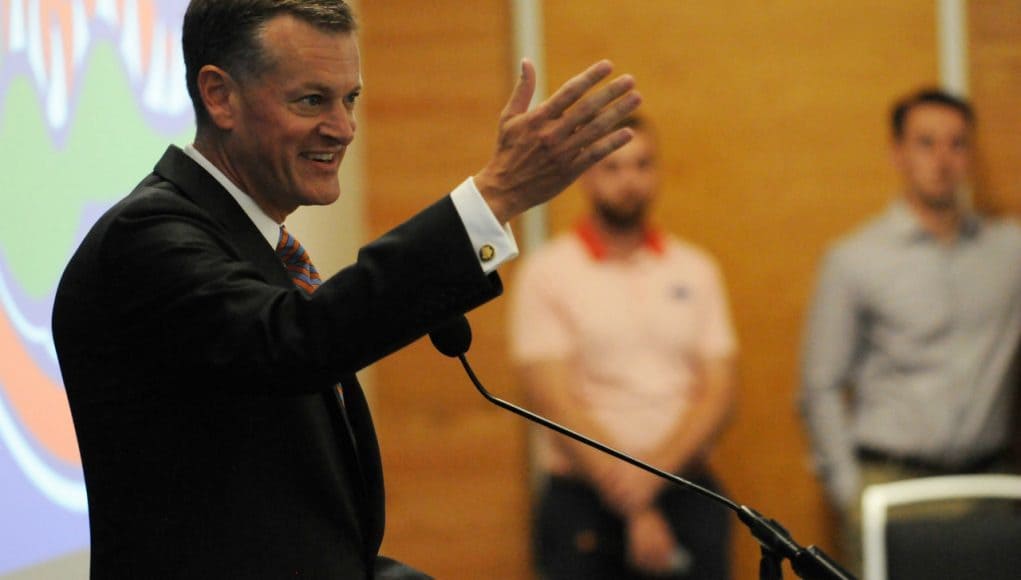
(202,365)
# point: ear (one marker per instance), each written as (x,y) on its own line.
(219,94)
(897,152)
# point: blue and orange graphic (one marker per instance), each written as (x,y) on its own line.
(91,92)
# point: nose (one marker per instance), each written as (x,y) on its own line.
(339,126)
(946,155)
(630,178)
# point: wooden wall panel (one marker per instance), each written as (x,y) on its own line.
(436,76)
(772,121)
(995,71)
(995,68)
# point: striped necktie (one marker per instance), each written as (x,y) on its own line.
(304,275)
(299,265)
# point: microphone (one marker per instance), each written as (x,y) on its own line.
(453,338)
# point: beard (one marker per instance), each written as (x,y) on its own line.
(940,200)
(622,218)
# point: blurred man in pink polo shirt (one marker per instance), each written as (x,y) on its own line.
(622,332)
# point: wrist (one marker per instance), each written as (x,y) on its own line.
(495,197)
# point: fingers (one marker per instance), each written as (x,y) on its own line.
(595,140)
(541,152)
(586,112)
(600,149)
(574,89)
(587,124)
(522,94)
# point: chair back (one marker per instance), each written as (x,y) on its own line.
(979,544)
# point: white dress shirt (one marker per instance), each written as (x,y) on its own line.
(494,243)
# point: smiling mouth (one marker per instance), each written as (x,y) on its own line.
(320,157)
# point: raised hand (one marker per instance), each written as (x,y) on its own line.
(540,152)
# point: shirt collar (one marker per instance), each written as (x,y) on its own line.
(586,231)
(906,225)
(266,225)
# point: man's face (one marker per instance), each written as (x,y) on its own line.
(934,154)
(294,122)
(622,186)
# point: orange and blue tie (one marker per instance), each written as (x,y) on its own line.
(296,260)
(304,275)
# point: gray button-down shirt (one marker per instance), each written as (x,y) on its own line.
(925,332)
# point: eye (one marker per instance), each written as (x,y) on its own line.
(312,100)
(352,98)
(309,105)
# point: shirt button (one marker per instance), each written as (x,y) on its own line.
(487,253)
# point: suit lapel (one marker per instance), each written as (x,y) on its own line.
(363,453)
(204,191)
(360,421)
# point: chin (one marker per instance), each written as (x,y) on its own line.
(941,201)
(322,197)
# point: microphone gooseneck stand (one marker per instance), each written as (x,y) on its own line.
(776,543)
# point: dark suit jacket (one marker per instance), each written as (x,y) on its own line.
(201,382)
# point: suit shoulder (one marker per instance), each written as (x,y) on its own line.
(155,195)
(153,201)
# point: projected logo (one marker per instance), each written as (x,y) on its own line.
(91,92)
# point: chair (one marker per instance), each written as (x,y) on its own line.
(981,545)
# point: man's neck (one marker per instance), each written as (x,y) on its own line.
(267,226)
(212,149)
(620,243)
(942,223)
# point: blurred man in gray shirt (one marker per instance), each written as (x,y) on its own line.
(910,341)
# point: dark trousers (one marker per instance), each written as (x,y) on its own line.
(576,537)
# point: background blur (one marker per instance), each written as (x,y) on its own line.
(772,117)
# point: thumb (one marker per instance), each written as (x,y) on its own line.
(521,97)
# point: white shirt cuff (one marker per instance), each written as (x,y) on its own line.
(494,244)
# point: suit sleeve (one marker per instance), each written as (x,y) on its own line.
(191,302)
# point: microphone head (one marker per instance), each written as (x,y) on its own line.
(453,337)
